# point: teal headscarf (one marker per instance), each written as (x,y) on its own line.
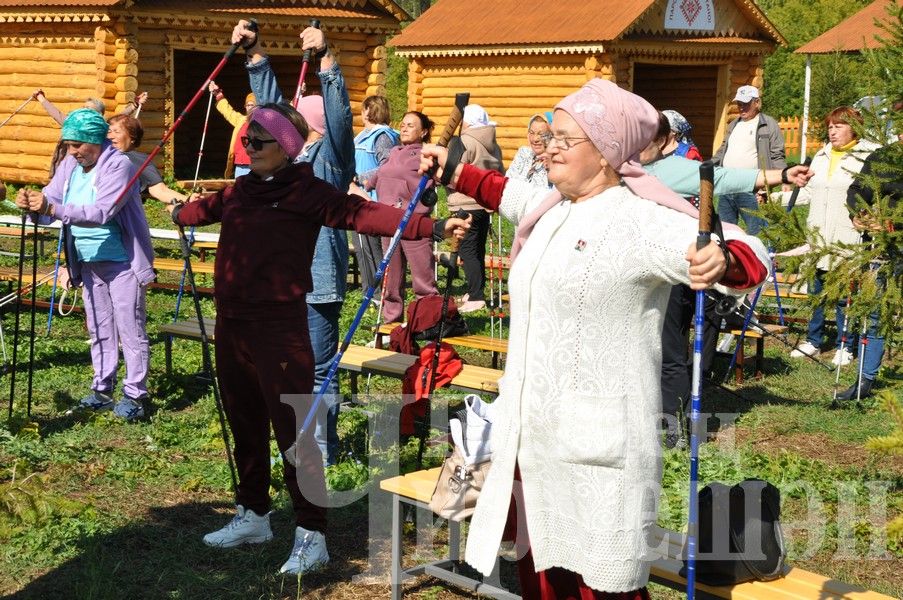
(85,125)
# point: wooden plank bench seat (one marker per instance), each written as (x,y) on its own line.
(361,360)
(357,360)
(177,265)
(417,488)
(496,346)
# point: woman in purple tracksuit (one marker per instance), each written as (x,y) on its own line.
(108,249)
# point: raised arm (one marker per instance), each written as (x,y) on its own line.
(52,110)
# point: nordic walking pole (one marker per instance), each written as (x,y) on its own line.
(34,299)
(17,111)
(451,273)
(454,120)
(219,67)
(706,187)
(12,376)
(205,350)
(56,278)
(305,62)
(843,344)
(194,188)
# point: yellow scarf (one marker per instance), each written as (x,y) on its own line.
(837,155)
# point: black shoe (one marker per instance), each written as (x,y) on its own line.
(865,390)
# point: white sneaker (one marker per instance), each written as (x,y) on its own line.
(246,527)
(842,358)
(805,349)
(309,553)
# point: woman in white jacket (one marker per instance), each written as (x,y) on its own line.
(835,167)
(577,418)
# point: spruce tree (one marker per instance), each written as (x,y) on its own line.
(872,269)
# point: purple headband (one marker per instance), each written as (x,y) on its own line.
(281,129)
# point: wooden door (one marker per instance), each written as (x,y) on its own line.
(691,90)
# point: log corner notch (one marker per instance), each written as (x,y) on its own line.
(600,66)
(116,59)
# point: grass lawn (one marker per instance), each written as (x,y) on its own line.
(91,507)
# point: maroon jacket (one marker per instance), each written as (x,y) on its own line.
(269,232)
(396,179)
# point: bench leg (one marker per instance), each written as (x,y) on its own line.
(454,540)
(738,367)
(495,360)
(760,356)
(396,548)
(167,345)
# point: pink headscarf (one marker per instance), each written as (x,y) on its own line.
(282,130)
(620,125)
(314,112)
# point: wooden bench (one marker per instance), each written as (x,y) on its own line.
(496,346)
(357,360)
(417,488)
(186,330)
(759,337)
(361,360)
(177,265)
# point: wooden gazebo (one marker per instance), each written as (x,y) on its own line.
(111,49)
(519,59)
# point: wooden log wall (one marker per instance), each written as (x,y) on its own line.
(128,55)
(510,88)
(62,63)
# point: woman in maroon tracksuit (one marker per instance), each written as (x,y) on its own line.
(270,221)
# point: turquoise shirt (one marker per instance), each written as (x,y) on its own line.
(682,176)
(98,243)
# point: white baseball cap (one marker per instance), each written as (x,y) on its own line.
(746,93)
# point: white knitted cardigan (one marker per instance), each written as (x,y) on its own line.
(580,402)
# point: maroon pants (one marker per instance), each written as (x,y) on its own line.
(555,583)
(257,362)
(418,255)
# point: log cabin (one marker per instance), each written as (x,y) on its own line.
(519,58)
(113,49)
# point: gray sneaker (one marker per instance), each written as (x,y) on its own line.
(129,409)
(96,401)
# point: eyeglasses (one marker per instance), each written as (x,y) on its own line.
(564,141)
(255,143)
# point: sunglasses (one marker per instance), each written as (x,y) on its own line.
(255,143)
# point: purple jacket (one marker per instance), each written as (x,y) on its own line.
(114,169)
(396,179)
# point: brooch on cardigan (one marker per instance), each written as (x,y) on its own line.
(581,244)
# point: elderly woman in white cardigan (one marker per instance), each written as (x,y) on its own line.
(579,406)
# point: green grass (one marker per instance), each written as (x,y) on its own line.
(91,507)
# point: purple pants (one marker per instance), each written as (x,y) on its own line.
(114,306)
(418,255)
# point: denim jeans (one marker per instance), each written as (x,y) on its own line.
(815,335)
(732,206)
(870,348)
(323,323)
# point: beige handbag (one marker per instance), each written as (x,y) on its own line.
(458,488)
(465,470)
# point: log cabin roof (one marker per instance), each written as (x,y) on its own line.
(453,25)
(856,32)
(354,9)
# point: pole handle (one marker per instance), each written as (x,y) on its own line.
(315,23)
(455,118)
(706,192)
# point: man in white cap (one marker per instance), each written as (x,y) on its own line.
(481,150)
(753,141)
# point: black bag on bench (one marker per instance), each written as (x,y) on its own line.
(740,537)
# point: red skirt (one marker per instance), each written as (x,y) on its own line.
(555,583)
